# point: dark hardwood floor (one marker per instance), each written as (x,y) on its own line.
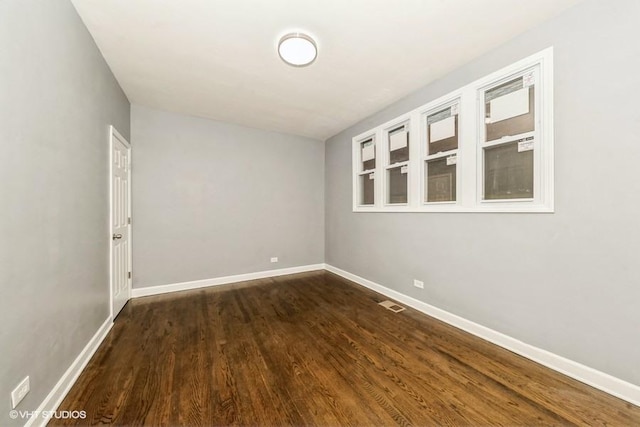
(315,349)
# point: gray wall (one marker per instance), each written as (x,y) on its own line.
(212,199)
(566,282)
(57,100)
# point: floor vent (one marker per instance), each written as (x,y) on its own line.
(390,305)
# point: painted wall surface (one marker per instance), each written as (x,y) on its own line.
(57,100)
(566,282)
(212,199)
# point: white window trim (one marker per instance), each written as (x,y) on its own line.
(469,179)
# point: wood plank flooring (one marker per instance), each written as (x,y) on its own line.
(315,349)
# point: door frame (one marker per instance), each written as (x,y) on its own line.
(113,134)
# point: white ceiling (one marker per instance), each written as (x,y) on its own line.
(218,59)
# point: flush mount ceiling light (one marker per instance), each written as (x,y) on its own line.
(297,49)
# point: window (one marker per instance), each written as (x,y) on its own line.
(441,148)
(508,141)
(486,147)
(397,168)
(366,176)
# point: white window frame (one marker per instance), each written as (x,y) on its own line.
(357,167)
(453,99)
(386,160)
(470,153)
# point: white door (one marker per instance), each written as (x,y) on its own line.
(120,222)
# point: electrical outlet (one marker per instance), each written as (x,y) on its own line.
(274,259)
(418,284)
(20,392)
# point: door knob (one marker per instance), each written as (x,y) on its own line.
(117,236)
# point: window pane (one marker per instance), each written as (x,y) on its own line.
(442,131)
(441,181)
(398,145)
(508,174)
(397,185)
(368,155)
(510,109)
(367,192)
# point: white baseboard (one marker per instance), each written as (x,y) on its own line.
(183,286)
(597,379)
(68,379)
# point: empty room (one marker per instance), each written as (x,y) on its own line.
(319,212)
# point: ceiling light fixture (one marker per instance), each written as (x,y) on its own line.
(297,49)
